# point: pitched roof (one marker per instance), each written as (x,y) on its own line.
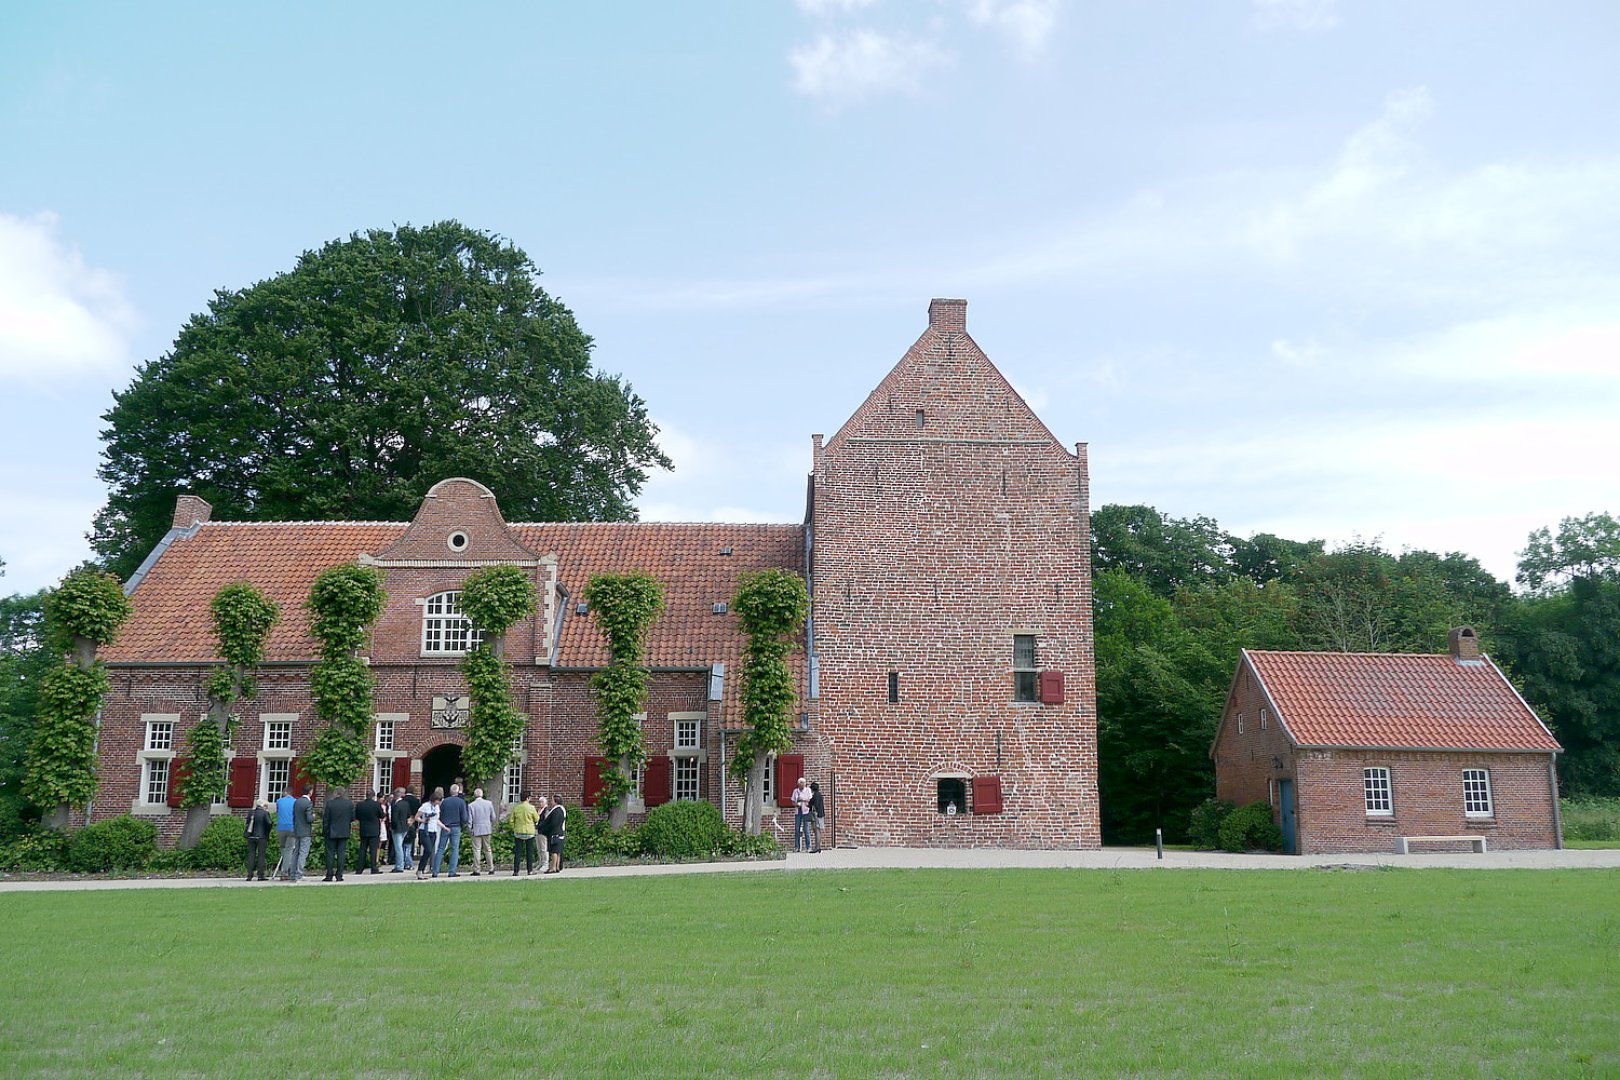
(170,622)
(1427,701)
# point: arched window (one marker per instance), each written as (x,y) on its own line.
(445,630)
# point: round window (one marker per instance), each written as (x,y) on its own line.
(458,541)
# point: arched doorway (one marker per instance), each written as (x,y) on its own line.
(440,767)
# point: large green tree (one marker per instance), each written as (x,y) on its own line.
(347,386)
(23,662)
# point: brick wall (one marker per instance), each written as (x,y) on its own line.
(945,519)
(1248,762)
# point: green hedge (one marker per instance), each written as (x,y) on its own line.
(1204,825)
(1591,819)
(1250,828)
(684,830)
(120,843)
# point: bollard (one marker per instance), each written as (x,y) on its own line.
(1158,841)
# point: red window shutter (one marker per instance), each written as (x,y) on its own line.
(301,784)
(987,794)
(244,774)
(179,772)
(656,789)
(1051,687)
(402,772)
(789,767)
(594,767)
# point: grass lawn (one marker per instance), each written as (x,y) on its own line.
(1026,973)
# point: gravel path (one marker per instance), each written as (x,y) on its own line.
(916,858)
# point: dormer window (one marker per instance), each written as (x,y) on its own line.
(445,630)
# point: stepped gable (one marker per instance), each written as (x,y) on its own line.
(1397,701)
(170,623)
(458,522)
(944,388)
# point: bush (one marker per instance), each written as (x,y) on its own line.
(685,830)
(120,843)
(1591,819)
(764,846)
(221,847)
(35,850)
(1250,828)
(1204,824)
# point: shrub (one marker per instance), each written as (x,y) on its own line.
(1591,819)
(1249,828)
(1204,824)
(35,850)
(120,843)
(685,830)
(763,846)
(221,847)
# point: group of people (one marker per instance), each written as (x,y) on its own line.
(423,835)
(809,816)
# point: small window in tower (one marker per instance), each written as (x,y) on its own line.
(894,687)
(922,418)
(952,795)
(1025,676)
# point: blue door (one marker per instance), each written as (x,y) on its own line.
(1290,823)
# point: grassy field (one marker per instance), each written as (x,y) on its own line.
(1024,973)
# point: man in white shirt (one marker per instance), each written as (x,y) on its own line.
(481,820)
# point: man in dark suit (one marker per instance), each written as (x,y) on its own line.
(338,822)
(369,814)
(257,833)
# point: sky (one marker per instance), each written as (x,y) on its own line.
(1337,270)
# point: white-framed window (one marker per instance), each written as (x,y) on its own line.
(1026,678)
(1240,723)
(1477,793)
(385,734)
(278,734)
(767,786)
(686,755)
(445,630)
(1265,718)
(277,775)
(514,769)
(156,762)
(1376,791)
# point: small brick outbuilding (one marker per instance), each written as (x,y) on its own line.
(1372,752)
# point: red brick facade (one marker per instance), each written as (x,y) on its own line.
(944,519)
(1258,747)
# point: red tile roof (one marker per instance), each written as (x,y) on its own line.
(170,622)
(1397,701)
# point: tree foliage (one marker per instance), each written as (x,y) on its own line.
(1584,547)
(343,603)
(243,617)
(23,662)
(495,598)
(347,386)
(86,610)
(624,607)
(772,606)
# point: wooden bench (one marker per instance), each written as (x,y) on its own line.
(1403,843)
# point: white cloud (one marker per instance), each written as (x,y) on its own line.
(58,316)
(1297,353)
(1311,15)
(841,69)
(1026,24)
(831,7)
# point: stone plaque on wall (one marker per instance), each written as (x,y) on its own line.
(450,712)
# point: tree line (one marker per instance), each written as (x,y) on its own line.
(1176,599)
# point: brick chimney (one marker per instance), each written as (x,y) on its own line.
(189,510)
(947,315)
(1464,645)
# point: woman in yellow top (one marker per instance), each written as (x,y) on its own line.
(523,818)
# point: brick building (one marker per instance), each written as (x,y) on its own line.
(947,690)
(1368,752)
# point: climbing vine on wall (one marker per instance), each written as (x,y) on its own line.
(243,617)
(772,606)
(81,614)
(343,603)
(494,598)
(624,607)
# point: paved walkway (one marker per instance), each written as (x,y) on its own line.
(913,859)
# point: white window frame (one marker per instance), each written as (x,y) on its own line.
(1378,791)
(1477,800)
(385,731)
(277,746)
(1240,723)
(686,756)
(636,802)
(445,630)
(512,778)
(1032,671)
(1265,716)
(158,734)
